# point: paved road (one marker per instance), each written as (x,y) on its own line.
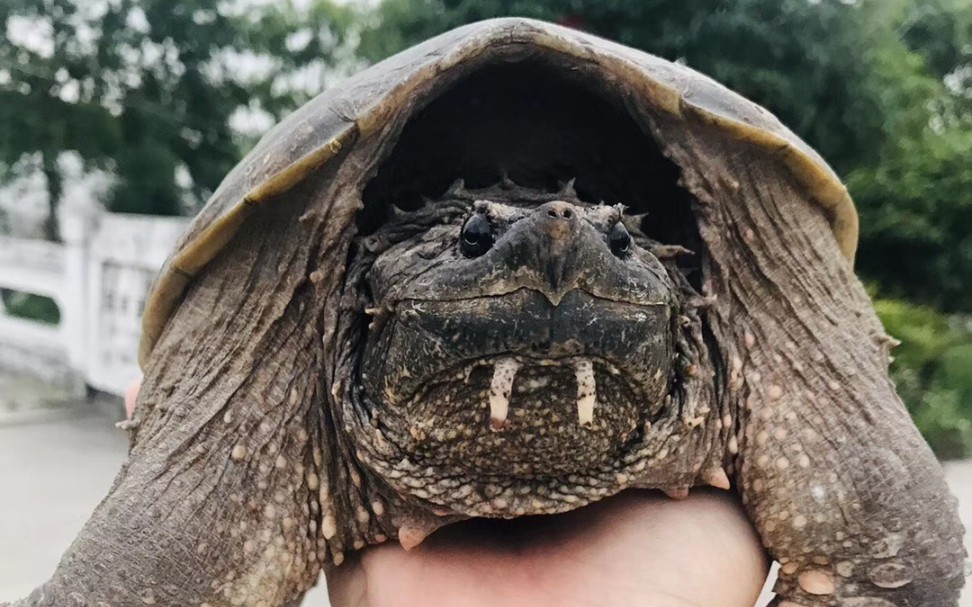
(57,462)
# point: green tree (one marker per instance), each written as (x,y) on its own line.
(147,89)
(916,218)
(51,100)
(915,199)
(931,372)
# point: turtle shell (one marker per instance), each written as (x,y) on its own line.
(362,108)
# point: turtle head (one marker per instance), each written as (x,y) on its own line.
(520,340)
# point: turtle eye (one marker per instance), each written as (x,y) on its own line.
(476,237)
(619,240)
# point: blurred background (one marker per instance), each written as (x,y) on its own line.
(118,119)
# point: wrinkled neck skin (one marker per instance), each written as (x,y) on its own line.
(533,371)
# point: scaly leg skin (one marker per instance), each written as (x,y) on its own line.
(839,483)
(854,506)
(842,488)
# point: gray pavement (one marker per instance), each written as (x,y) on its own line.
(58,459)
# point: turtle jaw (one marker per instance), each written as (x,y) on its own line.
(512,391)
(522,417)
(426,343)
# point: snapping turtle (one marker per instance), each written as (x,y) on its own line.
(641,280)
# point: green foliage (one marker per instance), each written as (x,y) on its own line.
(931,370)
(34,116)
(155,192)
(916,218)
(146,88)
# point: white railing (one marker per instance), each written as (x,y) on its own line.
(99,278)
(32,266)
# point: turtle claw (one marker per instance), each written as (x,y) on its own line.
(717,477)
(410,537)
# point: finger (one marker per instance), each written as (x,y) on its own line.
(131,396)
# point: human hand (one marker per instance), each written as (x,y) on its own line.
(639,548)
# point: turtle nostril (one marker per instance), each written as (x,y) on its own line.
(559,210)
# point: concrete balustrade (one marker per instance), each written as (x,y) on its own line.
(99,278)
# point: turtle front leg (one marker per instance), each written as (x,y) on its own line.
(847,496)
(237,489)
(841,487)
(220,501)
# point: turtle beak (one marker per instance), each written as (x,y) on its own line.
(550,254)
